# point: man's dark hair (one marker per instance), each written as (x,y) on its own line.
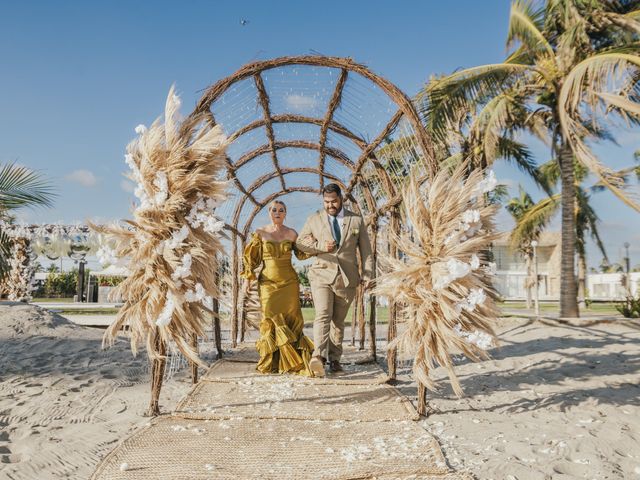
(332,188)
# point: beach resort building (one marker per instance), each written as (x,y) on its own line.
(511,272)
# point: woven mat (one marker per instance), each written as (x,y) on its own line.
(237,424)
(239,369)
(284,397)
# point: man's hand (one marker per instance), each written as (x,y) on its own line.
(330,246)
(366,284)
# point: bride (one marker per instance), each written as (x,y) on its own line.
(282,345)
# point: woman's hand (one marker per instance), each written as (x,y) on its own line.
(246,286)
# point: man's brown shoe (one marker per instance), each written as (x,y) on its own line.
(335,367)
(316,365)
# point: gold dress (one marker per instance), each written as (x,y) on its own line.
(282,345)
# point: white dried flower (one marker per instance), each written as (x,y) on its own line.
(184,269)
(167,311)
(141,129)
(488,184)
(161,183)
(471,216)
(177,238)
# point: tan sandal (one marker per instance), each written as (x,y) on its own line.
(316,365)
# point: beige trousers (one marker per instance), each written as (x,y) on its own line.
(332,304)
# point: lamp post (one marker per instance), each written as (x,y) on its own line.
(627,268)
(78,250)
(536,298)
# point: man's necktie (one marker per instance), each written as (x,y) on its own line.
(336,231)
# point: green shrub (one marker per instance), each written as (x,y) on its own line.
(630,308)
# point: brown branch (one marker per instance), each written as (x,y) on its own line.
(371,147)
(231,174)
(264,101)
(340,156)
(333,104)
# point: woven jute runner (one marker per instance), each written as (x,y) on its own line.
(237,424)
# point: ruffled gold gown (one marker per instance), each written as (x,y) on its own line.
(282,345)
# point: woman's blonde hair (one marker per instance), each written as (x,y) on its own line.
(278,202)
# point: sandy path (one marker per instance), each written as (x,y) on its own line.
(556,402)
(65,403)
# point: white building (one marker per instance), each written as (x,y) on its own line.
(511,272)
(611,286)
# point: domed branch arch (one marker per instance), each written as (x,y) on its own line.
(365,130)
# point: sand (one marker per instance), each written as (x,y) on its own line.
(64,402)
(556,401)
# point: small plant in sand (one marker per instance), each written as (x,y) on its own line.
(443,278)
(171,245)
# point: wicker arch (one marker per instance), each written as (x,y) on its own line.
(270,176)
(368,181)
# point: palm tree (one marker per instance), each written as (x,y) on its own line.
(518,207)
(586,220)
(19,187)
(575,63)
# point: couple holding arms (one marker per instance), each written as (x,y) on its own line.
(332,235)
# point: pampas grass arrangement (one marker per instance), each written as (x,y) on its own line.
(171,245)
(19,281)
(443,280)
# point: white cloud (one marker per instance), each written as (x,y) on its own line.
(127,186)
(300,102)
(85,178)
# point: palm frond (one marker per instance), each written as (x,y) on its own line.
(587,220)
(534,220)
(491,122)
(443,99)
(525,26)
(593,75)
(21,186)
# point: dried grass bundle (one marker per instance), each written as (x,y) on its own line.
(171,245)
(443,280)
(19,281)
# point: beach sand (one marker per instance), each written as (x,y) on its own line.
(65,402)
(556,401)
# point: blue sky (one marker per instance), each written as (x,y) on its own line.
(77,77)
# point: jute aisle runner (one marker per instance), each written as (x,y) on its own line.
(237,424)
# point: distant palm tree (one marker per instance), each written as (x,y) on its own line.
(518,207)
(575,61)
(586,220)
(19,187)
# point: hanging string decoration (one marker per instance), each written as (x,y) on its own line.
(443,277)
(172,244)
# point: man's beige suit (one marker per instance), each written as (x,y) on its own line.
(334,276)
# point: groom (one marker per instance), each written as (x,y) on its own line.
(333,235)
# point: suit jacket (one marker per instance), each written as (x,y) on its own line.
(343,260)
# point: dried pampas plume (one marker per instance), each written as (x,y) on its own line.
(443,280)
(171,246)
(19,282)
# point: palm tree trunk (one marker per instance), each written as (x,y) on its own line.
(568,286)
(582,280)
